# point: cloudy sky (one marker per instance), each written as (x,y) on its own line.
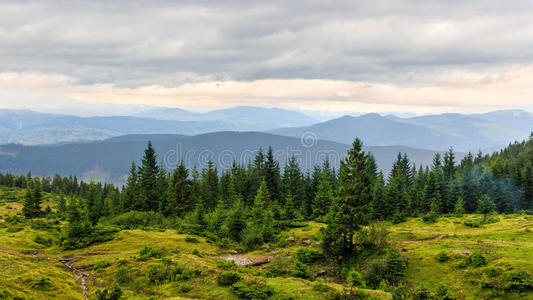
(343,56)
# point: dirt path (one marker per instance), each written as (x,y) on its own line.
(67,262)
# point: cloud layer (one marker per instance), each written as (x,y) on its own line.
(423,56)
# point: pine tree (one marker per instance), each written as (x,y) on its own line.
(210,186)
(459,209)
(28,209)
(236,221)
(148,173)
(272,176)
(179,192)
(432,192)
(351,208)
(293,181)
(131,199)
(485,206)
(94,203)
(261,203)
(381,208)
(323,197)
(289,211)
(61,205)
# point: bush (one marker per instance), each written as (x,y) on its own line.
(101,265)
(43,284)
(5,293)
(519,281)
(252,289)
(477,259)
(309,256)
(123,276)
(322,287)
(422,293)
(474,223)
(398,218)
(228,278)
(196,252)
(442,256)
(79,235)
(149,252)
(375,272)
(136,219)
(43,241)
(374,236)
(462,264)
(113,294)
(300,270)
(184,288)
(355,278)
(190,239)
(396,266)
(430,217)
(13,229)
(156,274)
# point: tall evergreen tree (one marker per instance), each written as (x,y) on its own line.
(210,186)
(323,197)
(179,193)
(351,208)
(273,176)
(148,174)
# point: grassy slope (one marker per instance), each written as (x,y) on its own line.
(507,244)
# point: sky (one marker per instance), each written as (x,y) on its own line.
(410,57)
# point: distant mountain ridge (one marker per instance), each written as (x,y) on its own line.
(109,160)
(436,132)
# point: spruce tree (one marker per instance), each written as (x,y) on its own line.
(293,182)
(527,198)
(179,192)
(272,176)
(148,174)
(210,186)
(351,208)
(381,208)
(459,208)
(323,197)
(131,199)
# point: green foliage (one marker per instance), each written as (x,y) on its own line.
(39,239)
(477,259)
(322,287)
(309,256)
(519,281)
(396,266)
(184,288)
(355,278)
(252,289)
(375,272)
(5,293)
(301,270)
(196,252)
(42,284)
(474,223)
(228,278)
(443,256)
(149,252)
(101,265)
(191,239)
(375,236)
(113,294)
(123,276)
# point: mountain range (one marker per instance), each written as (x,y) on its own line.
(109,160)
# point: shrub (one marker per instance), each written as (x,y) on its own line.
(123,276)
(81,235)
(190,239)
(321,287)
(43,241)
(101,265)
(149,252)
(184,288)
(374,236)
(375,272)
(520,281)
(462,264)
(225,264)
(41,225)
(474,223)
(421,293)
(430,217)
(396,266)
(228,278)
(113,294)
(477,259)
(43,284)
(5,293)
(13,229)
(252,289)
(398,218)
(442,256)
(136,219)
(309,256)
(300,270)
(195,252)
(355,278)
(156,274)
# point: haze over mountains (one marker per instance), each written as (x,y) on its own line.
(109,160)
(103,147)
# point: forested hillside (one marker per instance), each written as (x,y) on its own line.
(254,206)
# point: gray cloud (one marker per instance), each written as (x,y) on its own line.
(133,43)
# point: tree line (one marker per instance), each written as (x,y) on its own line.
(250,203)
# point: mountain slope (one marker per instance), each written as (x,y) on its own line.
(110,160)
